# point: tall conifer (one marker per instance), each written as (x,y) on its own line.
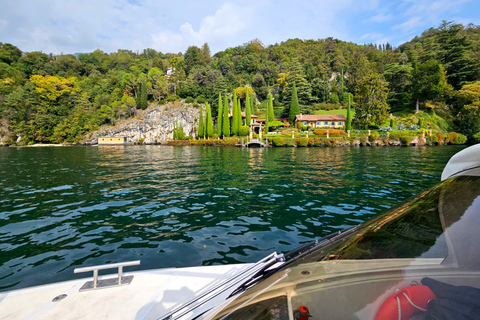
(294,106)
(226,119)
(201,130)
(234,115)
(239,115)
(348,125)
(248,111)
(208,121)
(271,114)
(220,116)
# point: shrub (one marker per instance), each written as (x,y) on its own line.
(421,122)
(311,142)
(440,139)
(278,142)
(325,106)
(200,99)
(385,129)
(459,139)
(334,98)
(374,136)
(476,137)
(171,98)
(189,100)
(301,142)
(196,105)
(392,123)
(413,127)
(243,132)
(304,128)
(289,142)
(401,127)
(320,132)
(452,136)
(406,140)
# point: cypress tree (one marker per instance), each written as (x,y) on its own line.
(294,106)
(220,116)
(248,111)
(174,137)
(208,121)
(234,115)
(271,114)
(226,120)
(253,104)
(239,115)
(201,130)
(348,125)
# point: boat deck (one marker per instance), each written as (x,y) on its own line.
(151,295)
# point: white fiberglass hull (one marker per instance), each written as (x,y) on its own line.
(151,295)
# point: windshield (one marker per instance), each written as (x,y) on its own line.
(352,275)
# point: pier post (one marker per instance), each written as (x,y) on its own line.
(429,133)
(293,134)
(423,133)
(306,134)
(328,134)
(369,132)
(348,133)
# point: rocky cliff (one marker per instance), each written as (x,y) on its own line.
(153,125)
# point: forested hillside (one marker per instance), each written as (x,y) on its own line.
(59,98)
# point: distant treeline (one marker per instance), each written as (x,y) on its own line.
(59,98)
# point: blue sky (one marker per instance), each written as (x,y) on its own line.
(64,26)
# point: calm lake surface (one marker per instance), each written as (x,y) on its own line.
(66,207)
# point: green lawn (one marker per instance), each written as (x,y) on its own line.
(336,111)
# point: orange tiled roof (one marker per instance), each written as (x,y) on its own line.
(320,117)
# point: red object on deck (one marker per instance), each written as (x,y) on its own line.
(405,303)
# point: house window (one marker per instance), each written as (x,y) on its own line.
(305,123)
(339,123)
(325,123)
(332,124)
(318,123)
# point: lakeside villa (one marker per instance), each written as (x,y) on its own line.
(320,120)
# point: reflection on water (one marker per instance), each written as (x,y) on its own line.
(61,208)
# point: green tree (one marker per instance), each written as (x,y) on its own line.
(235,127)
(294,106)
(295,76)
(429,82)
(453,54)
(271,114)
(248,111)
(201,126)
(468,119)
(399,78)
(143,95)
(239,114)
(220,116)
(348,125)
(226,120)
(371,97)
(208,121)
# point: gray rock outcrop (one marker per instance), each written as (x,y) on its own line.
(153,125)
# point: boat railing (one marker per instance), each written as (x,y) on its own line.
(120,280)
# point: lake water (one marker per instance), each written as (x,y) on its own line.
(66,207)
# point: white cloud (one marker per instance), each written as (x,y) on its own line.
(227,21)
(381,17)
(371,35)
(410,24)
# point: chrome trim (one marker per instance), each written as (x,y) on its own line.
(110,282)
